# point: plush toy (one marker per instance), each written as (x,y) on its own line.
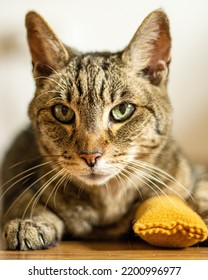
(167,221)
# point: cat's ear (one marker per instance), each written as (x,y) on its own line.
(47,51)
(149,50)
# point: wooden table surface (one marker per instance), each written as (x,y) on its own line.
(119,250)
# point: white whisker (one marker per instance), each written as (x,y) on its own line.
(42,189)
(51,79)
(16,182)
(151,184)
(27,176)
(161,173)
(130,180)
(67,181)
(24,192)
(140,179)
(47,92)
(158,180)
(55,188)
(63,79)
(53,99)
(25,171)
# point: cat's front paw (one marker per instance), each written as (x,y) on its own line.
(29,235)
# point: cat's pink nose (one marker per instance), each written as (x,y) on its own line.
(90,158)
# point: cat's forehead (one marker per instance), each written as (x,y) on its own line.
(95,60)
(97,66)
(94,78)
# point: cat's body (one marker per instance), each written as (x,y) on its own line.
(100,140)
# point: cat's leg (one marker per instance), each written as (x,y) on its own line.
(43,230)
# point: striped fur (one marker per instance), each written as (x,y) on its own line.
(84,175)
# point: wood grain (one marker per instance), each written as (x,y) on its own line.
(119,250)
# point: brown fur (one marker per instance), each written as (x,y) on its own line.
(77,171)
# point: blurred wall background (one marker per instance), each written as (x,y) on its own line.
(109,25)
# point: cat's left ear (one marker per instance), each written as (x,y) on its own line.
(149,51)
(47,51)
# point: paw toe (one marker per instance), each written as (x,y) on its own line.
(29,235)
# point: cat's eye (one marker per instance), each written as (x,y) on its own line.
(122,112)
(63,114)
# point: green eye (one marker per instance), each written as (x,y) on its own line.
(63,114)
(122,112)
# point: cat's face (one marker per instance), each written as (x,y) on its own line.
(95,113)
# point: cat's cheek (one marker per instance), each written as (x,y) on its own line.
(53,134)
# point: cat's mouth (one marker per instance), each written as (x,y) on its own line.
(94,178)
(96,175)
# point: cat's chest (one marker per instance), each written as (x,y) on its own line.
(98,208)
(113,204)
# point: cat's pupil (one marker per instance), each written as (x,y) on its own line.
(65,110)
(122,108)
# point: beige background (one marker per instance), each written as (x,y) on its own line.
(109,25)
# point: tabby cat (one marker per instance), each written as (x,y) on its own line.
(99,142)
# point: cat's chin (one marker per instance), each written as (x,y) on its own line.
(94,179)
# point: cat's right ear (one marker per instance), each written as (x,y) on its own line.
(47,51)
(148,53)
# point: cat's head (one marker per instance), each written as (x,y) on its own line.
(94,113)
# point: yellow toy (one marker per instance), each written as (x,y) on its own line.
(167,221)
